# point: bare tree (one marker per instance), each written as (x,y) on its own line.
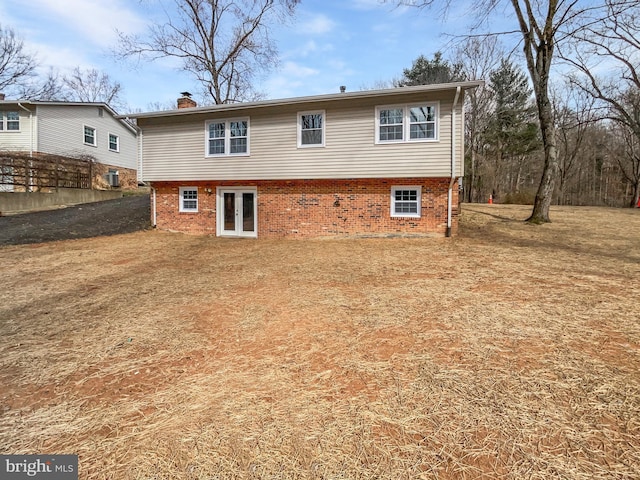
(614,42)
(91,85)
(477,57)
(540,26)
(224,44)
(16,64)
(574,117)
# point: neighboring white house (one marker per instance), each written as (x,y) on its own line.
(73,129)
(359,163)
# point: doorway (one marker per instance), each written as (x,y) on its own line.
(237,212)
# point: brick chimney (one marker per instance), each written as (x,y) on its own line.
(186,101)
(1,96)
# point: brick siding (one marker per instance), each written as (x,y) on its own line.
(315,208)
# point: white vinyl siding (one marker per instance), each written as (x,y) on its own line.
(21,140)
(174,147)
(61,132)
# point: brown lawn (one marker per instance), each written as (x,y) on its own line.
(512,351)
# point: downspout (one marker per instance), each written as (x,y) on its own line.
(28,187)
(30,126)
(141,179)
(153,207)
(453,161)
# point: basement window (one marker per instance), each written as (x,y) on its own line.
(189,199)
(406,201)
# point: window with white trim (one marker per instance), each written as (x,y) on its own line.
(10,121)
(90,136)
(188,199)
(114,143)
(311,129)
(406,201)
(227,137)
(407,123)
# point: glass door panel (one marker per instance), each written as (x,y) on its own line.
(248,214)
(229,212)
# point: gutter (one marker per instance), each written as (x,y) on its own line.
(30,178)
(453,161)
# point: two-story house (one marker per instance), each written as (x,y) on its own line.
(72,129)
(357,163)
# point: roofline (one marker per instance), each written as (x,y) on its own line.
(106,106)
(331,97)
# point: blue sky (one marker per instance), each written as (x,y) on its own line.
(357,43)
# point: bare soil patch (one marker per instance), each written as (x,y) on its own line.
(511,351)
(110,217)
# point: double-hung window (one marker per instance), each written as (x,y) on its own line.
(406,201)
(311,129)
(227,137)
(188,199)
(90,136)
(10,121)
(114,143)
(407,123)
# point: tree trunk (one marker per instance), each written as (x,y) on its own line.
(636,195)
(540,76)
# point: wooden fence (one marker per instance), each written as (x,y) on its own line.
(44,172)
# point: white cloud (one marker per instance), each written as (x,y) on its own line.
(95,20)
(296,70)
(316,25)
(367,4)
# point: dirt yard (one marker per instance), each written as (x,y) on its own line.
(512,351)
(110,217)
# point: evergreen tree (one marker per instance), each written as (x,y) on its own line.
(512,132)
(428,72)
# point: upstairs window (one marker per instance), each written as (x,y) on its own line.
(311,129)
(114,143)
(407,123)
(406,201)
(10,121)
(90,136)
(227,137)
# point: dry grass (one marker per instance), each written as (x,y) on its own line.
(511,351)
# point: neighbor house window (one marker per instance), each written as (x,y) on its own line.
(114,143)
(406,201)
(188,199)
(407,123)
(227,137)
(10,121)
(90,136)
(311,129)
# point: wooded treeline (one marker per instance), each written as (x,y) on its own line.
(599,160)
(576,141)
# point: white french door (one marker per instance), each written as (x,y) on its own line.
(237,211)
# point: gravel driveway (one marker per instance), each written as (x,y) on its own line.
(111,217)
